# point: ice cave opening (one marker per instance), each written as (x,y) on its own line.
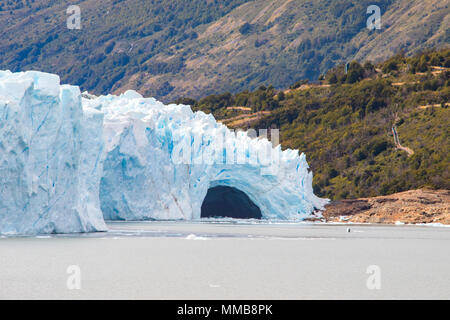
(224,201)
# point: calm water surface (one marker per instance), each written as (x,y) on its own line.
(230,259)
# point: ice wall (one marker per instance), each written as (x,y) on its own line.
(50,157)
(161,160)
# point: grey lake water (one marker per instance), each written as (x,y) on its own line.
(230,259)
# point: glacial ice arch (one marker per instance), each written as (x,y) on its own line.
(161,160)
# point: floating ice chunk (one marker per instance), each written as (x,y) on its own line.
(195,237)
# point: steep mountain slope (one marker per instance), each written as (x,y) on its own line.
(410,26)
(174,48)
(287,40)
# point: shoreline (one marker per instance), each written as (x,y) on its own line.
(418,207)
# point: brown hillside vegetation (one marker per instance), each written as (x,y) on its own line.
(177,48)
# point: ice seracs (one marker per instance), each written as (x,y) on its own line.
(50,157)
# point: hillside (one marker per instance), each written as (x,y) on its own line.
(176,48)
(345,124)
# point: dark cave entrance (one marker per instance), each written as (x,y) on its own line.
(222,201)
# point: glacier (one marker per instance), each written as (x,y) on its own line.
(50,157)
(162,159)
(69,161)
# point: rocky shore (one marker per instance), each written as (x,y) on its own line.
(413,206)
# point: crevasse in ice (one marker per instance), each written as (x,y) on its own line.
(69,160)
